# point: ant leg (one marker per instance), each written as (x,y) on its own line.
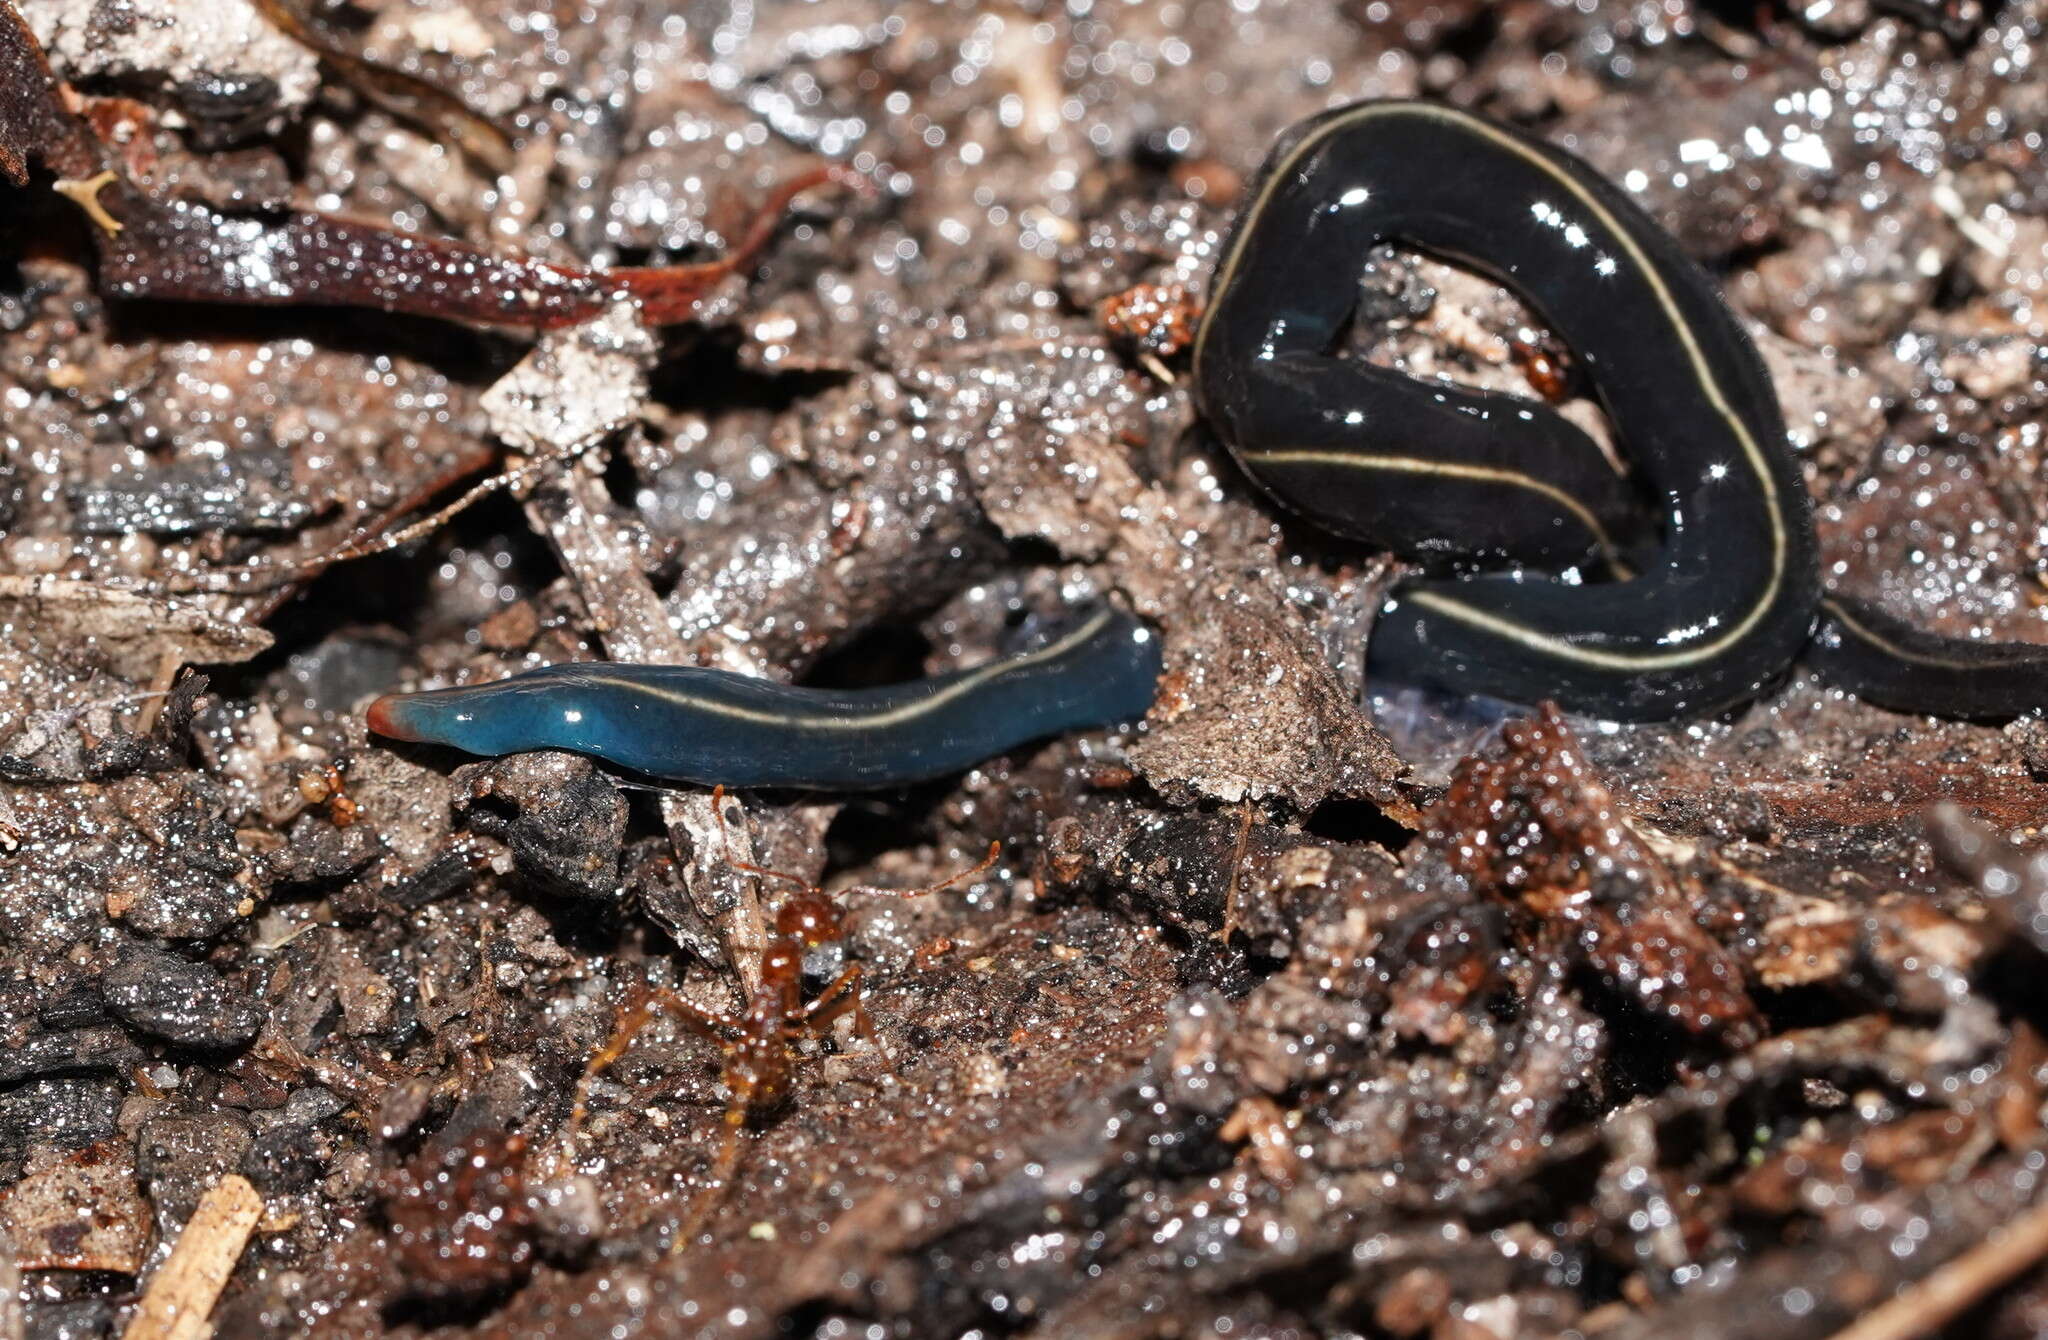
(995,851)
(700,1021)
(842,993)
(749,868)
(835,992)
(631,1020)
(626,1025)
(745,867)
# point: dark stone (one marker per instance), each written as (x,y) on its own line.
(67,1113)
(173,998)
(292,1149)
(178,1155)
(321,853)
(125,755)
(68,1052)
(564,820)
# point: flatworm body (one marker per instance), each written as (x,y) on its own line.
(1724,594)
(689,724)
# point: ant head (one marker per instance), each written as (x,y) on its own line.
(811,919)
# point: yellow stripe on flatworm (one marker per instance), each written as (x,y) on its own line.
(894,716)
(1485,474)
(1887,646)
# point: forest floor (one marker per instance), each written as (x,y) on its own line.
(1237,1035)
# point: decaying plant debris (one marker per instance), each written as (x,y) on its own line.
(1279,1016)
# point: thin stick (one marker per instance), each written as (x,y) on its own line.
(1943,1295)
(13,1322)
(179,1303)
(1244,834)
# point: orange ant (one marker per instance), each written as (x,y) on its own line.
(759,1042)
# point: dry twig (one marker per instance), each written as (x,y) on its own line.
(179,1303)
(1963,1282)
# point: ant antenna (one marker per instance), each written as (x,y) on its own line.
(995,851)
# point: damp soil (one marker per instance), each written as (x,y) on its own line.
(1305,1007)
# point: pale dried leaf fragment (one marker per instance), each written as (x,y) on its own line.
(576,384)
(121,632)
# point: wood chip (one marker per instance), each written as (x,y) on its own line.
(179,1303)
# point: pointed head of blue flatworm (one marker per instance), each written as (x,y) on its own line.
(540,709)
(429,717)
